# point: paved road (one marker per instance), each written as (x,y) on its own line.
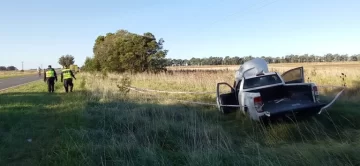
(16,81)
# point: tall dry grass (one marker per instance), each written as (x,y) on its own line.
(8,74)
(143,130)
(188,80)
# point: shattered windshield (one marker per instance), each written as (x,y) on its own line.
(261,81)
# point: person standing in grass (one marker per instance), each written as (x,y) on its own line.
(66,76)
(50,77)
(39,72)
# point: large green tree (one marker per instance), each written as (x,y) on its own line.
(124,51)
(66,60)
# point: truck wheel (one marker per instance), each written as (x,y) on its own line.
(222,109)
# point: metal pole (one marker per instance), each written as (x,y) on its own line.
(22,66)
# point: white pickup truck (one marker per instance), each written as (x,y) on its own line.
(270,95)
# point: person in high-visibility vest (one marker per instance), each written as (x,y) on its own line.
(66,76)
(50,77)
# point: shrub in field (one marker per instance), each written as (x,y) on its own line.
(343,76)
(124,51)
(123,84)
(82,83)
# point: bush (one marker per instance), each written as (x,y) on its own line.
(127,52)
(11,68)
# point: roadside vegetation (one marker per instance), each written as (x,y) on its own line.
(101,124)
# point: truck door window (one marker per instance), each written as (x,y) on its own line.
(294,76)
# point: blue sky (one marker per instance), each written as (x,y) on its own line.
(39,32)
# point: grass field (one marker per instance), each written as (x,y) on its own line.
(99,125)
(9,74)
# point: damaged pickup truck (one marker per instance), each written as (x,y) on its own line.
(261,94)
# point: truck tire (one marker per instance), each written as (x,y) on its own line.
(224,110)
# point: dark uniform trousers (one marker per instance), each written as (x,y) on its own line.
(68,83)
(51,84)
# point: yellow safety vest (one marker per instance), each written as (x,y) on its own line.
(50,73)
(66,73)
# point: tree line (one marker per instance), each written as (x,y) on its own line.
(123,51)
(285,59)
(9,68)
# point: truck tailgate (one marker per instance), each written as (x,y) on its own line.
(289,106)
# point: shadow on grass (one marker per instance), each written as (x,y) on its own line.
(32,125)
(78,129)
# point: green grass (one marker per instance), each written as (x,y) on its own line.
(29,112)
(89,128)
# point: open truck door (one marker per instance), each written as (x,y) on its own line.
(229,99)
(295,75)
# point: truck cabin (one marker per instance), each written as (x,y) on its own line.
(258,80)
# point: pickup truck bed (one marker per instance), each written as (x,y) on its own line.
(288,99)
(290,106)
